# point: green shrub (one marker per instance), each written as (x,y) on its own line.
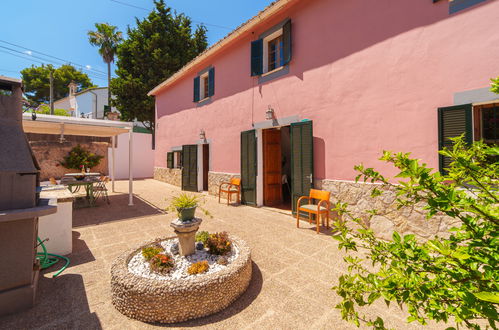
(202,236)
(453,278)
(198,267)
(219,243)
(79,157)
(185,201)
(151,251)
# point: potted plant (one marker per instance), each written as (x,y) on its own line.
(185,205)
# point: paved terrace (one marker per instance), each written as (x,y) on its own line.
(293,269)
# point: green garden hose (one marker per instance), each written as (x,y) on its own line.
(49,259)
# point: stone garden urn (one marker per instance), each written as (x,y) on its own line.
(186,233)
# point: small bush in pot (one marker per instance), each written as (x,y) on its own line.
(185,205)
(219,243)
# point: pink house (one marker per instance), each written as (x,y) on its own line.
(305,90)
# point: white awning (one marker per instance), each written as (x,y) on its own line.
(61,125)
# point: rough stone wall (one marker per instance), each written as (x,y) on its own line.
(216,178)
(50,154)
(408,220)
(172,176)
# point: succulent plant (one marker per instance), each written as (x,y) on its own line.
(219,243)
(198,267)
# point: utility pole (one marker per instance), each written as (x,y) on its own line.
(51,93)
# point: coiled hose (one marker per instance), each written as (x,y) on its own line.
(49,259)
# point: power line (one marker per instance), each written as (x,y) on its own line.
(194,21)
(33,60)
(51,56)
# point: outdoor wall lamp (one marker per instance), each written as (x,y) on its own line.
(202,135)
(269,114)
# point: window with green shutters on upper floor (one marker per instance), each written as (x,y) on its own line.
(272,51)
(204,85)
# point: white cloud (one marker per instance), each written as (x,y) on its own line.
(28,52)
(88,67)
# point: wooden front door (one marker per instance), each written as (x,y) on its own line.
(190,167)
(272,174)
(206,165)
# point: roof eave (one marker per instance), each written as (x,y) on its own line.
(271,10)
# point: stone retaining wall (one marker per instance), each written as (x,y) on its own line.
(172,176)
(150,300)
(216,178)
(408,220)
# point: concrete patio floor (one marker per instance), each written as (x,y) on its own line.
(293,268)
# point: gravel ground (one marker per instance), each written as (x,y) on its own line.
(139,266)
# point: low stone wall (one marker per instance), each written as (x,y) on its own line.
(151,300)
(216,178)
(50,154)
(408,220)
(172,176)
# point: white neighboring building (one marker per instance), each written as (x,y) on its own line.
(89,102)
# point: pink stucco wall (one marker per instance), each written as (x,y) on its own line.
(370,74)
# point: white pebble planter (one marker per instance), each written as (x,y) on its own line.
(172,300)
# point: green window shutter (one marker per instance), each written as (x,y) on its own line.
(256,57)
(211,82)
(302,160)
(190,167)
(286,41)
(452,122)
(248,167)
(169,159)
(196,89)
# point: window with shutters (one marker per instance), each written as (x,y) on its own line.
(204,85)
(272,51)
(489,121)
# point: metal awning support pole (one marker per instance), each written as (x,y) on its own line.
(113,142)
(130,167)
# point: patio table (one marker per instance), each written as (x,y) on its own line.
(88,184)
(79,173)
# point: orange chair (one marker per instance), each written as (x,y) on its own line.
(320,210)
(232,187)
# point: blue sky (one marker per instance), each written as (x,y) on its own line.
(58,28)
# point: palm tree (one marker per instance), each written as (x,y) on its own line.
(107,38)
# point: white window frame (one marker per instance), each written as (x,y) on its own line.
(176,156)
(202,95)
(265,54)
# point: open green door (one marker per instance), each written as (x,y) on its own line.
(190,167)
(248,167)
(302,160)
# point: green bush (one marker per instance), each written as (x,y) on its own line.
(445,279)
(78,157)
(202,236)
(151,251)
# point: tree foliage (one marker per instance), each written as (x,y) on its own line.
(495,85)
(36,80)
(107,38)
(45,109)
(155,49)
(452,279)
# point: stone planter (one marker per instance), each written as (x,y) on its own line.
(172,301)
(186,233)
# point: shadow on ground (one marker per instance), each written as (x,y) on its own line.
(236,307)
(116,210)
(61,303)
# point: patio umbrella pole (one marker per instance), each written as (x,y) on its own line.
(130,167)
